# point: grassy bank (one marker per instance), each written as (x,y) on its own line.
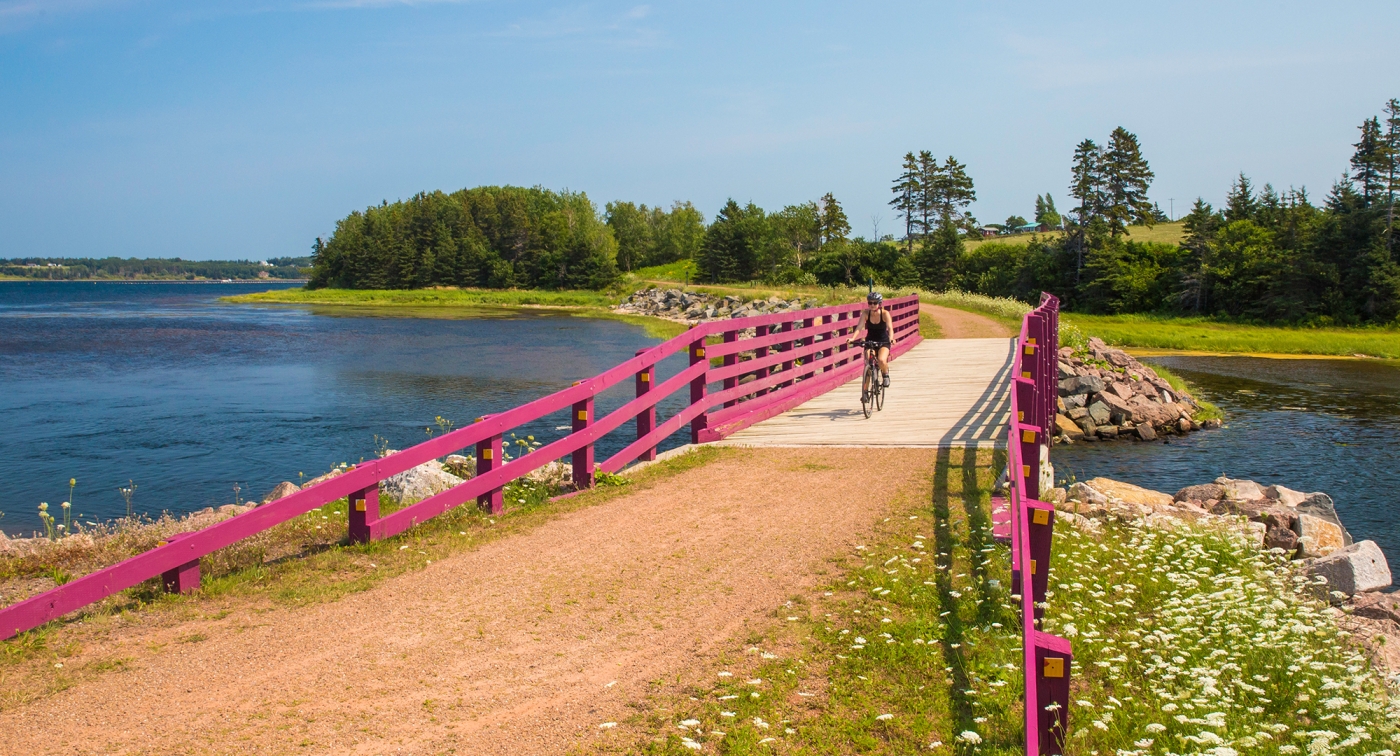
(1203,335)
(1185,641)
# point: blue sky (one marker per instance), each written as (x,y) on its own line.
(244,130)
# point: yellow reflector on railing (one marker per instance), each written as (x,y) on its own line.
(1041,517)
(486,453)
(1026,374)
(359,505)
(1025,471)
(1054,667)
(646,377)
(1032,566)
(1030,349)
(583,414)
(700,352)
(1028,436)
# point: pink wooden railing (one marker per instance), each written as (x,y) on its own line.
(795,356)
(1047,658)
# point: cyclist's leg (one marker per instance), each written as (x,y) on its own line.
(883,357)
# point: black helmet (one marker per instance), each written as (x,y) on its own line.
(875,298)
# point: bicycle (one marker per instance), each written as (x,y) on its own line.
(872,388)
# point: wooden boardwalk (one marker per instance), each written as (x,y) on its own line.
(943,393)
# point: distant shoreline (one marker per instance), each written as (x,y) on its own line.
(18,279)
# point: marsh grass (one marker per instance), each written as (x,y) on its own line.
(1186,642)
(1204,335)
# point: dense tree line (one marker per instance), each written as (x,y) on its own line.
(490,236)
(133,269)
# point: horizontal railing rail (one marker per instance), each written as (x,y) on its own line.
(766,365)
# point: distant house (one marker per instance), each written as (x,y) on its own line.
(1031,228)
(990,231)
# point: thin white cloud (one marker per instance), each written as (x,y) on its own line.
(17,15)
(580,22)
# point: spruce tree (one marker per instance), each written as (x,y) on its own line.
(1086,185)
(1051,216)
(1368,162)
(906,192)
(1240,203)
(834,226)
(956,193)
(1201,225)
(1392,167)
(931,188)
(1126,178)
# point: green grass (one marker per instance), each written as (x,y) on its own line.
(430,298)
(1166,233)
(679,271)
(1185,641)
(1204,410)
(1204,335)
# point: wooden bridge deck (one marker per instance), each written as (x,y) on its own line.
(944,393)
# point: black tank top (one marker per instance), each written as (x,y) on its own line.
(876,331)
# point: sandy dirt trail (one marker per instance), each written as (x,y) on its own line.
(959,324)
(508,649)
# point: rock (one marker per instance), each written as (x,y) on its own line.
(1212,424)
(1087,425)
(1129,493)
(1107,432)
(321,478)
(1081,384)
(555,474)
(1086,494)
(1078,413)
(419,483)
(1319,537)
(1183,426)
(1060,404)
(1074,400)
(1356,569)
(1066,427)
(461,466)
(1381,606)
(1145,432)
(1066,371)
(1281,538)
(1098,412)
(1201,493)
(1242,490)
(283,489)
(1257,533)
(1117,406)
(1286,496)
(1054,496)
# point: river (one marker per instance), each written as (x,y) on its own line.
(164,385)
(1308,424)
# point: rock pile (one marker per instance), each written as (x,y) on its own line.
(1105,394)
(695,307)
(1303,526)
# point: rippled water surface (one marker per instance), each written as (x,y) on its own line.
(165,385)
(1312,425)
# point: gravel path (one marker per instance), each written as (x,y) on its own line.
(959,324)
(524,645)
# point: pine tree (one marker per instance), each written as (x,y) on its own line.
(956,193)
(1051,216)
(834,226)
(1126,177)
(1392,167)
(1368,162)
(906,191)
(1201,225)
(1039,209)
(931,188)
(1087,181)
(1240,203)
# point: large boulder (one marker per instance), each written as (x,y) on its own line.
(1281,538)
(283,489)
(1145,432)
(1081,384)
(1240,490)
(1286,496)
(1357,568)
(1319,537)
(1066,427)
(1099,413)
(419,482)
(1129,493)
(1201,493)
(1120,411)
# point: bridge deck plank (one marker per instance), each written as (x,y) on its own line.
(944,392)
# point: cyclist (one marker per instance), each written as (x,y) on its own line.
(879,333)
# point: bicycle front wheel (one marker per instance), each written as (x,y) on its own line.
(867,393)
(879,394)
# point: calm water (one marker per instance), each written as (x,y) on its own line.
(1311,425)
(164,385)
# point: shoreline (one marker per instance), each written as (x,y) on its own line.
(18,279)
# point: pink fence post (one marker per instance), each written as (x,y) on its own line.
(184,578)
(697,390)
(646,419)
(583,457)
(1053,660)
(758,352)
(827,337)
(489,457)
(807,342)
(786,346)
(364,512)
(730,359)
(1040,528)
(840,333)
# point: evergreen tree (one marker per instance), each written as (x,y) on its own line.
(1126,177)
(1087,182)
(834,225)
(1368,163)
(955,194)
(1201,225)
(1392,168)
(739,245)
(1240,203)
(906,195)
(1045,211)
(930,193)
(937,260)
